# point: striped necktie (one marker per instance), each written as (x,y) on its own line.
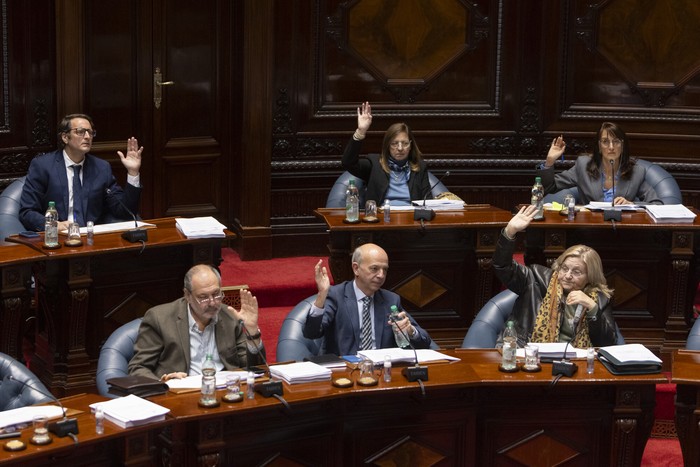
(366,336)
(77,196)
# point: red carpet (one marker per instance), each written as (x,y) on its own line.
(278,284)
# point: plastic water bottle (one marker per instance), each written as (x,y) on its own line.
(537,198)
(51,226)
(387,368)
(208,382)
(510,345)
(571,213)
(250,385)
(99,420)
(352,202)
(400,337)
(90,233)
(387,211)
(590,361)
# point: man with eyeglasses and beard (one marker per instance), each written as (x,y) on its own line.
(549,297)
(175,338)
(80,184)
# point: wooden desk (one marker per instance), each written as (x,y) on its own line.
(470,414)
(442,271)
(85,293)
(651,266)
(686,375)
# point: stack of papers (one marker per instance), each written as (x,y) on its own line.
(629,359)
(131,411)
(24,415)
(439,204)
(301,372)
(549,351)
(200,227)
(114,227)
(195,382)
(670,213)
(405,355)
(602,205)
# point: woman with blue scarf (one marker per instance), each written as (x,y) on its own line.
(398,174)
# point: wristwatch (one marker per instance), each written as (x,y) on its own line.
(252,337)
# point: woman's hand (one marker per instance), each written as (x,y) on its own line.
(364,118)
(521,220)
(578,297)
(555,150)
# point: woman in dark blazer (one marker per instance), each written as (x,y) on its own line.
(593,175)
(398,174)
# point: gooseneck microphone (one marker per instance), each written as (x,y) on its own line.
(422,213)
(267,388)
(564,367)
(612,214)
(415,372)
(136,234)
(61,428)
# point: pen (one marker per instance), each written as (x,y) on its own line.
(10,434)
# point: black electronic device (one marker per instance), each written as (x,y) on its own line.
(564,367)
(267,388)
(415,372)
(612,214)
(28,234)
(61,428)
(421,213)
(136,234)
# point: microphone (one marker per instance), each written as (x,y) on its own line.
(268,388)
(136,234)
(612,214)
(564,366)
(423,214)
(61,428)
(415,372)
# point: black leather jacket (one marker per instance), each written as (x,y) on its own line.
(530,283)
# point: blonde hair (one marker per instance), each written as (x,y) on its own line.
(594,268)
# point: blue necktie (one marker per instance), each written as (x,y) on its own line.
(366,336)
(77,196)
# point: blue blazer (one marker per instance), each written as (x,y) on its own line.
(47,181)
(340,322)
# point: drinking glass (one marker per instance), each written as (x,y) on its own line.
(233,389)
(371,210)
(532,358)
(41,430)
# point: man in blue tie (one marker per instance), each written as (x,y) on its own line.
(354,315)
(82,185)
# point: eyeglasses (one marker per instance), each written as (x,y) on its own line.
(574,272)
(82,131)
(606,142)
(214,298)
(400,144)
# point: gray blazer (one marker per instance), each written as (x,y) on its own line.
(590,189)
(163,343)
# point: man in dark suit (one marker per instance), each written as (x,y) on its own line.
(175,338)
(337,313)
(52,177)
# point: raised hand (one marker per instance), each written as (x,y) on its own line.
(323,283)
(555,150)
(364,117)
(248,312)
(132,159)
(521,220)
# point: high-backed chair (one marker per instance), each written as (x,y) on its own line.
(491,320)
(291,343)
(9,210)
(660,180)
(23,388)
(115,354)
(693,342)
(336,197)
